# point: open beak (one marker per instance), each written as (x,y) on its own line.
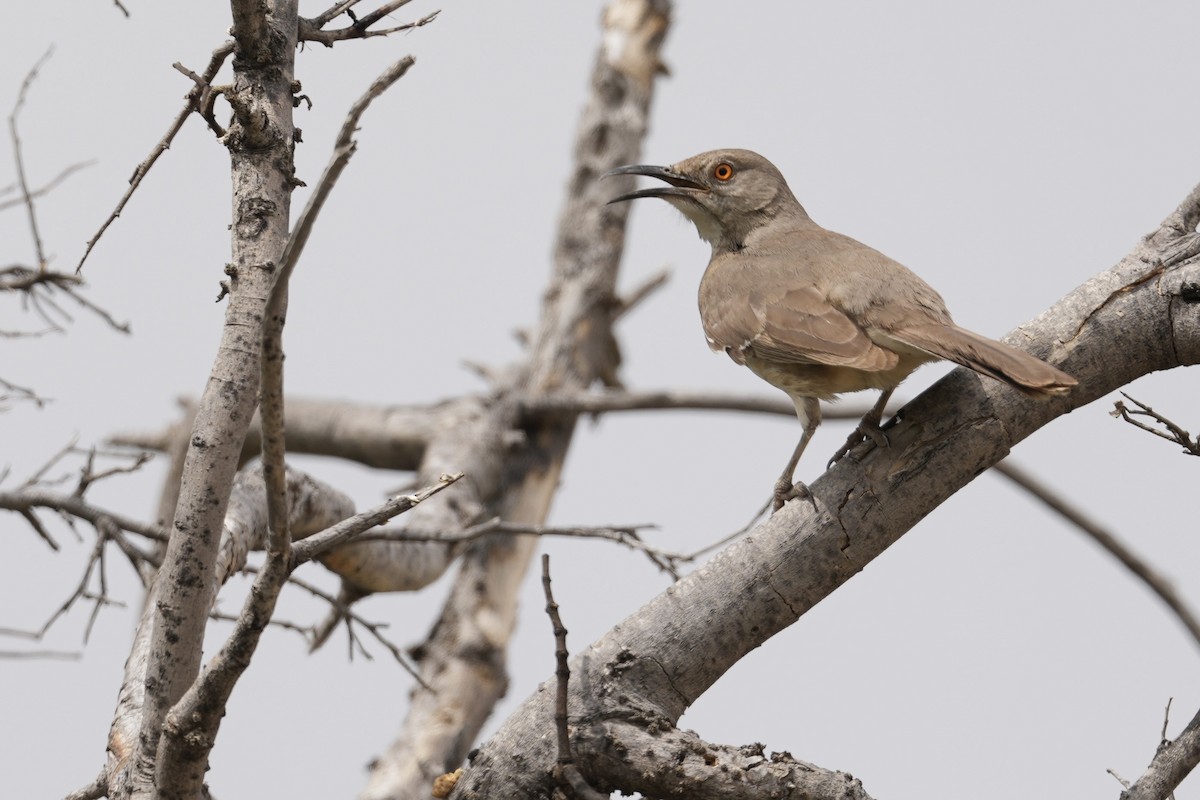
(680,185)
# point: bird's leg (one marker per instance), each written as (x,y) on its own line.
(808,409)
(867,428)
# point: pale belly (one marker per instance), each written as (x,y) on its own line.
(826,382)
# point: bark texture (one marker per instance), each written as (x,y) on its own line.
(462,660)
(657,662)
(260,141)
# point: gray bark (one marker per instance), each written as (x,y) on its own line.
(260,141)
(462,660)
(653,665)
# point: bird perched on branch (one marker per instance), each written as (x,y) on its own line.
(813,312)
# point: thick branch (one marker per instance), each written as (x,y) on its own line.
(947,436)
(660,761)
(191,727)
(463,659)
(1171,764)
(261,145)
(386,437)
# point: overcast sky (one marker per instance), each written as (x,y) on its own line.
(1006,153)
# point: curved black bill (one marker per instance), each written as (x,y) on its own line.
(680,185)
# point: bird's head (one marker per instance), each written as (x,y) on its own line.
(727,194)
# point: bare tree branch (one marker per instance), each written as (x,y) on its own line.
(26,499)
(26,195)
(595,402)
(11,392)
(261,142)
(640,292)
(39,655)
(191,725)
(674,399)
(48,187)
(271,404)
(572,348)
(337,9)
(1174,433)
(192,103)
(627,535)
(1173,761)
(344,613)
(348,529)
(312,30)
(387,437)
(204,102)
(766,581)
(566,771)
(1106,539)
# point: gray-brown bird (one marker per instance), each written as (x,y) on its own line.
(811,311)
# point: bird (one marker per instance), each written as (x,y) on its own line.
(811,311)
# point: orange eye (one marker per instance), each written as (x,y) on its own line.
(723,172)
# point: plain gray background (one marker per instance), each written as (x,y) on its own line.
(1006,154)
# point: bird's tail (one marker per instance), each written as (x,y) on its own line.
(988,357)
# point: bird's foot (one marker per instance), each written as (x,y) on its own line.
(862,432)
(785,490)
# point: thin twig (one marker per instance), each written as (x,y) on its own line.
(18,278)
(204,103)
(88,475)
(566,771)
(671,399)
(641,292)
(191,104)
(1175,433)
(28,498)
(32,281)
(48,187)
(717,545)
(343,149)
(337,9)
(360,27)
(347,529)
(626,535)
(304,630)
(374,628)
(345,612)
(348,594)
(1142,570)
(40,472)
(13,392)
(58,655)
(26,195)
(271,405)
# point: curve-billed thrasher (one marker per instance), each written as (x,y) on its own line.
(811,311)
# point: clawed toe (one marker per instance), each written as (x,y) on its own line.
(860,435)
(785,491)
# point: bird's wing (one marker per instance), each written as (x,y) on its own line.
(797,326)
